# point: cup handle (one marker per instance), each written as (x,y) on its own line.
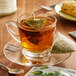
(13,30)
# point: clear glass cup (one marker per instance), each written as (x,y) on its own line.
(37,42)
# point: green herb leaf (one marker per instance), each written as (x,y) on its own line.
(45,67)
(55,73)
(48,74)
(36,23)
(37,72)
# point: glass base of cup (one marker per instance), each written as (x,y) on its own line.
(37,57)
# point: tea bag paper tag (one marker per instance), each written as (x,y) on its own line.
(12,48)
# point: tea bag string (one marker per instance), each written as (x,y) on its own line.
(33,15)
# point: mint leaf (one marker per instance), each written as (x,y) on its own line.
(48,74)
(55,73)
(37,72)
(45,67)
(36,22)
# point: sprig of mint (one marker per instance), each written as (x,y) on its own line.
(55,73)
(40,73)
(48,74)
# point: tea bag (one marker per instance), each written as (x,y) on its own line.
(63,45)
(35,22)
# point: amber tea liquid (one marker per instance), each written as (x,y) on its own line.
(38,40)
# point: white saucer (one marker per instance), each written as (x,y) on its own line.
(14,54)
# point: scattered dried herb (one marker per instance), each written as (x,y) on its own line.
(37,72)
(45,67)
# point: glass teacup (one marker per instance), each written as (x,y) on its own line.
(37,35)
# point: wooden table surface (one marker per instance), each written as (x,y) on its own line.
(63,26)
